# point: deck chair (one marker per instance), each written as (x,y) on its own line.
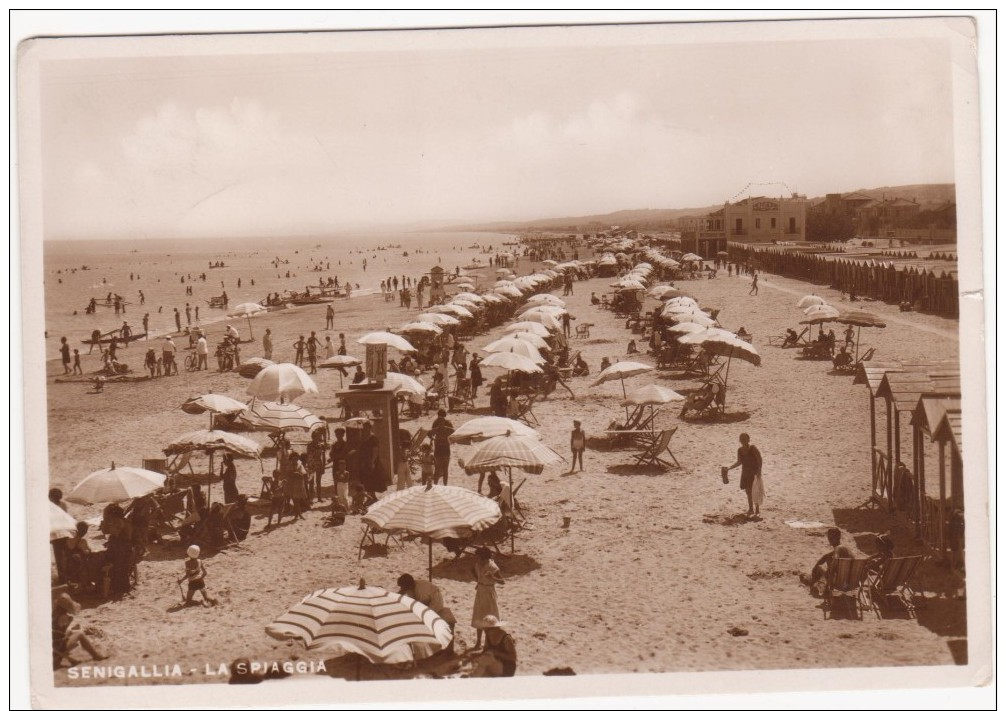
(699,365)
(652,454)
(370,536)
(868,356)
(521,407)
(415,447)
(167,513)
(437,398)
(709,400)
(583,330)
(784,341)
(894,580)
(846,581)
(462,397)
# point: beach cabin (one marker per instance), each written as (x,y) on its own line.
(936,513)
(900,393)
(382,406)
(437,293)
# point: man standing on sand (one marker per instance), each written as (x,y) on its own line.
(168,355)
(146,324)
(329,318)
(750,462)
(203,351)
(342,344)
(188,314)
(440,431)
(754,286)
(267,344)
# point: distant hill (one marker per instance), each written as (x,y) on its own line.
(655,219)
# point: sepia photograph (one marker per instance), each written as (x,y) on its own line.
(463,363)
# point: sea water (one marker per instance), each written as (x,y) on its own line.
(75,271)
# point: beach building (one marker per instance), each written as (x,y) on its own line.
(753,219)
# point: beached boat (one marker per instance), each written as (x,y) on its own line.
(106,338)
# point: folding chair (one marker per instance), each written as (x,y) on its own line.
(846,580)
(521,407)
(462,397)
(583,330)
(894,579)
(662,445)
(709,400)
(370,539)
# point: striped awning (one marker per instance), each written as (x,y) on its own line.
(370,621)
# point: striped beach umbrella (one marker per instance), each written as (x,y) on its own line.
(434,512)
(370,621)
(275,416)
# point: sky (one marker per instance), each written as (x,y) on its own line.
(308,139)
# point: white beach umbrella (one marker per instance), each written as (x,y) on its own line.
(61,524)
(620,371)
(515,345)
(420,327)
(281,381)
(387,339)
(810,300)
(699,318)
(529,326)
(652,395)
(546,299)
(532,338)
(404,384)
(686,327)
(115,484)
(248,310)
(480,428)
(510,361)
(438,319)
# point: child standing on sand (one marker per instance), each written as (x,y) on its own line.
(426,462)
(195,573)
(77,370)
(577,443)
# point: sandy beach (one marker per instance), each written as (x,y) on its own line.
(658,570)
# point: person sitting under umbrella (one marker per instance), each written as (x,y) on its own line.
(842,359)
(580,367)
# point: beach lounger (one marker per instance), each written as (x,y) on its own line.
(894,580)
(846,581)
(462,397)
(651,455)
(521,407)
(370,536)
(784,341)
(710,399)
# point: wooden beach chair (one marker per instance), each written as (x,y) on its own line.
(846,581)
(462,398)
(894,580)
(709,400)
(783,342)
(521,407)
(583,330)
(867,356)
(651,455)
